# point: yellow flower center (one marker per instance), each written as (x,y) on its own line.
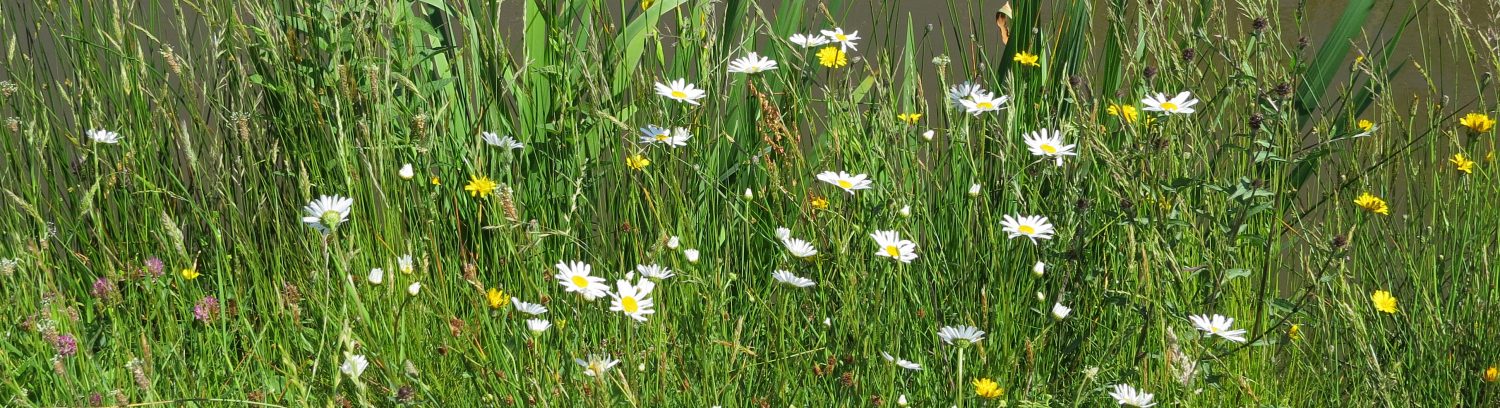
(985,105)
(1048,148)
(1169,107)
(629,304)
(579,281)
(1026,229)
(845,184)
(661,137)
(841,37)
(679,95)
(893,251)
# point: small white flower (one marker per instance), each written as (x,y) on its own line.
(749,195)
(929,134)
(828,321)
(528,308)
(752,64)
(901,401)
(1218,325)
(983,102)
(354,365)
(845,181)
(1180,104)
(327,212)
(538,325)
(596,365)
(103,136)
(799,248)
(407,172)
(961,335)
(783,233)
(1060,312)
(405,265)
(901,362)
(691,255)
(674,242)
(654,271)
(376,276)
(808,40)
(904,212)
(974,190)
(891,245)
(575,278)
(790,279)
(652,134)
(414,288)
(1039,269)
(1127,395)
(1048,143)
(505,142)
(845,40)
(1033,227)
(681,91)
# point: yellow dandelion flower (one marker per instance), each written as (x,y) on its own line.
(1383,301)
(910,118)
(436,181)
(1295,332)
(1372,204)
(1365,125)
(496,298)
(480,186)
(1127,113)
(190,273)
(987,388)
(637,162)
(819,203)
(1462,163)
(1029,59)
(1491,374)
(832,57)
(1478,122)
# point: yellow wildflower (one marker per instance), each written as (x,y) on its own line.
(1491,374)
(436,181)
(1383,301)
(637,162)
(987,388)
(190,273)
(1372,204)
(832,57)
(819,203)
(1026,58)
(496,298)
(1127,113)
(1462,163)
(1295,332)
(480,186)
(1477,122)
(910,118)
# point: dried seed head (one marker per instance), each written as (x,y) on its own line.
(1149,73)
(1188,55)
(170,56)
(1255,121)
(419,125)
(1283,90)
(1260,24)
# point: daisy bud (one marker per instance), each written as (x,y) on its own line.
(691,254)
(414,288)
(828,321)
(1060,312)
(749,195)
(407,172)
(905,211)
(376,276)
(929,134)
(901,401)
(673,242)
(974,190)
(1040,297)
(1039,269)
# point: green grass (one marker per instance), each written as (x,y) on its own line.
(233,116)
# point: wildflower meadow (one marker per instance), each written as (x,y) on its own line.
(749,203)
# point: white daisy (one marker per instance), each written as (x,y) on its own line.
(414,288)
(960,335)
(538,325)
(506,142)
(845,40)
(1060,312)
(407,172)
(681,91)
(809,40)
(799,248)
(654,271)
(1180,104)
(783,233)
(974,190)
(633,299)
(1127,395)
(1218,325)
(354,365)
(845,181)
(957,94)
(691,255)
(892,246)
(983,102)
(404,264)
(752,64)
(103,136)
(596,365)
(790,279)
(528,308)
(1030,226)
(929,134)
(377,275)
(327,212)
(652,134)
(575,278)
(674,242)
(901,362)
(1049,143)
